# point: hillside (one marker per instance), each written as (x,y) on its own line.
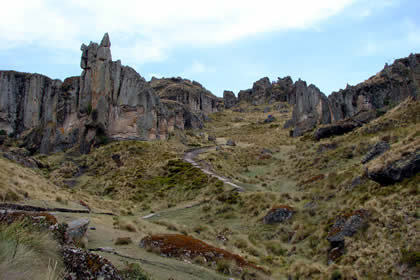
(107,176)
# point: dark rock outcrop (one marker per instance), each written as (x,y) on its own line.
(229,99)
(390,86)
(344,226)
(396,170)
(278,214)
(338,128)
(264,91)
(270,119)
(190,93)
(83,265)
(310,109)
(377,150)
(358,103)
(230,142)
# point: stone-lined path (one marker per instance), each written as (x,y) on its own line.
(190,156)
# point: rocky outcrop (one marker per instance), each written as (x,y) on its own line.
(377,150)
(278,214)
(311,108)
(81,264)
(190,93)
(390,86)
(356,103)
(395,169)
(229,99)
(107,102)
(344,226)
(264,91)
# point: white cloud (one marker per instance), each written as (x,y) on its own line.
(150,29)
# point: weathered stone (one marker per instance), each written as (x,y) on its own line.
(396,170)
(83,265)
(310,108)
(107,102)
(229,99)
(339,128)
(377,150)
(270,119)
(77,229)
(230,142)
(278,214)
(344,226)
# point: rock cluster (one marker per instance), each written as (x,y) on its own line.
(229,99)
(344,226)
(377,150)
(278,214)
(396,169)
(189,100)
(82,264)
(355,103)
(107,102)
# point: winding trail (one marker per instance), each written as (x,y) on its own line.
(191,156)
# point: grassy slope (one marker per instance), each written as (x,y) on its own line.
(151,181)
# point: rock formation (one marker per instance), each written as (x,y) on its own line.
(229,99)
(355,103)
(108,101)
(263,91)
(186,98)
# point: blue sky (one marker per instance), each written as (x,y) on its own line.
(221,44)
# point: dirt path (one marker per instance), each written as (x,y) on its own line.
(191,156)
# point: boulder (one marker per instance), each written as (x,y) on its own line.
(77,229)
(83,265)
(395,169)
(339,128)
(230,142)
(344,226)
(270,119)
(377,150)
(278,214)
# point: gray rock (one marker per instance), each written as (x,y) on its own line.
(335,129)
(229,99)
(270,119)
(278,215)
(267,109)
(377,150)
(395,171)
(77,229)
(230,142)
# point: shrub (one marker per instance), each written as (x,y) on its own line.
(133,271)
(123,241)
(411,258)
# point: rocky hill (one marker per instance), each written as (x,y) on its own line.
(108,101)
(311,107)
(190,98)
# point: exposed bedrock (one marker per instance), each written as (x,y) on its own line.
(108,101)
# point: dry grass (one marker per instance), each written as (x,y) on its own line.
(27,253)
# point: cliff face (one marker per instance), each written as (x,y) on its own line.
(390,86)
(190,93)
(357,103)
(108,101)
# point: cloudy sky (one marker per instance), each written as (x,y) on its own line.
(221,44)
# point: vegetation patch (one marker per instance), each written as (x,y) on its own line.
(183,246)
